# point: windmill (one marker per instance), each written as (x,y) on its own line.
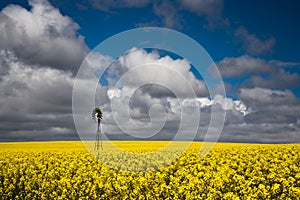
(97,116)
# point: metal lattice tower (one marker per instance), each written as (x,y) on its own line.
(97,113)
(98,141)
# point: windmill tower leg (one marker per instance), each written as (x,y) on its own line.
(98,141)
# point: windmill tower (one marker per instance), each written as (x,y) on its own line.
(97,116)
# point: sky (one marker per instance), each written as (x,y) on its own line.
(254,44)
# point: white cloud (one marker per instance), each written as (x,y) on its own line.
(138,67)
(41,97)
(204,102)
(241,107)
(147,86)
(132,111)
(41,35)
(243,65)
(226,103)
(252,44)
(135,103)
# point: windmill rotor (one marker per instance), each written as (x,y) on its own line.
(97,113)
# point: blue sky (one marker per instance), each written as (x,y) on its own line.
(255,45)
(262,19)
(265,19)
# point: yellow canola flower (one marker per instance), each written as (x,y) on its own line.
(65,170)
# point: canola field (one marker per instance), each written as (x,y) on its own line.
(65,170)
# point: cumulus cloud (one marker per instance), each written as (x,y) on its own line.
(271,106)
(280,80)
(153,91)
(39,50)
(36,102)
(149,95)
(262,73)
(40,105)
(243,65)
(252,44)
(271,111)
(261,97)
(137,66)
(142,87)
(34,97)
(164,122)
(260,115)
(5,58)
(274,112)
(262,133)
(41,35)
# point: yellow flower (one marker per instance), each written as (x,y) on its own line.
(65,170)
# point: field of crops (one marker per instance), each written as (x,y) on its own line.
(65,170)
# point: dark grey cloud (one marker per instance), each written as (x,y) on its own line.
(273,110)
(40,49)
(280,80)
(270,106)
(42,36)
(36,103)
(157,91)
(261,97)
(262,133)
(5,57)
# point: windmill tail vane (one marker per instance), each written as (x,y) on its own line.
(97,116)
